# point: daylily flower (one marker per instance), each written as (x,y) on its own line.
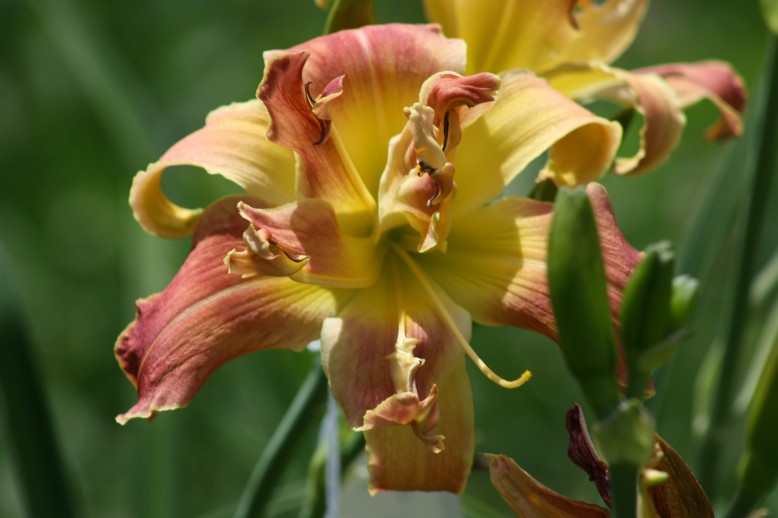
(369,163)
(572,44)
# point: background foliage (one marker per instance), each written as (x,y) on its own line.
(90,92)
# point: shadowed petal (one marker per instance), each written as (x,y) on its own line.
(384,67)
(397,460)
(538,34)
(528,118)
(529,498)
(206,317)
(308,232)
(712,80)
(325,170)
(232,144)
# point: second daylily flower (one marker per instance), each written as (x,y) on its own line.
(369,163)
(572,44)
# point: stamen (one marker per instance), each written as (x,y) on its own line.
(311,104)
(489,373)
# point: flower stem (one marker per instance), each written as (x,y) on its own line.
(31,433)
(316,504)
(760,188)
(307,407)
(624,480)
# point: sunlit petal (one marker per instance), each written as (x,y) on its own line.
(232,144)
(383,67)
(528,118)
(538,34)
(206,317)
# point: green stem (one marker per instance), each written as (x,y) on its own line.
(30,429)
(307,407)
(624,481)
(316,505)
(760,188)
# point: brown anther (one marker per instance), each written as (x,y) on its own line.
(311,105)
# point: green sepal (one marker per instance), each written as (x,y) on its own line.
(577,283)
(350,14)
(627,435)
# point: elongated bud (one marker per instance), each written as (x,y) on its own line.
(349,14)
(576,278)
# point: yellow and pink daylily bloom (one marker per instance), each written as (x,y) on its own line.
(371,166)
(572,44)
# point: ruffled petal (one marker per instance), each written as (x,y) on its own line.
(325,170)
(648,94)
(495,266)
(528,118)
(712,80)
(307,234)
(398,461)
(233,143)
(538,34)
(206,317)
(383,67)
(530,499)
(395,367)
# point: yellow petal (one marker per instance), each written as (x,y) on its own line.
(232,144)
(538,34)
(528,118)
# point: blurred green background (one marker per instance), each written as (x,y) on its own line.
(91,92)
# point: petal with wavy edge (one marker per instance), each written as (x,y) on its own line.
(371,350)
(384,67)
(495,266)
(397,460)
(530,499)
(232,144)
(206,317)
(712,80)
(308,231)
(538,34)
(528,118)
(325,170)
(648,94)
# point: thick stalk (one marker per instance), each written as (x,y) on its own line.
(760,187)
(624,480)
(306,408)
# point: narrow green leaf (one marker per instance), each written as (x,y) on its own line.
(31,433)
(577,283)
(350,14)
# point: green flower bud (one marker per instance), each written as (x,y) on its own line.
(577,283)
(627,435)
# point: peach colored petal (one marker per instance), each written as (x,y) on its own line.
(398,461)
(232,144)
(206,317)
(712,80)
(383,67)
(307,232)
(529,498)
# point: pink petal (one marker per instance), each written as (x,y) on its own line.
(206,317)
